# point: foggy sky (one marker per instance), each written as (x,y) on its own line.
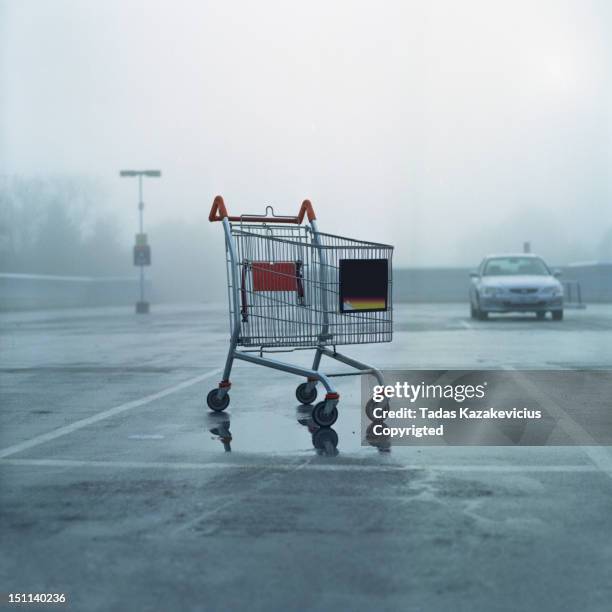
(449,129)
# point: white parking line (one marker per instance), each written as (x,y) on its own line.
(105,414)
(322,467)
(465,324)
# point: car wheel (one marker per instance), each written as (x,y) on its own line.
(557,315)
(473,311)
(540,315)
(482,315)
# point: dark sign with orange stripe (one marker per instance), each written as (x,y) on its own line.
(364,285)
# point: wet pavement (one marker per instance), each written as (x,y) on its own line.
(120,489)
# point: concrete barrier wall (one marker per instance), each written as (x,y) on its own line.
(595,280)
(452,284)
(31,291)
(431,284)
(34,291)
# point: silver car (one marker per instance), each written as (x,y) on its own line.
(515,283)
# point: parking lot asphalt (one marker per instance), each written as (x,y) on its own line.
(120,489)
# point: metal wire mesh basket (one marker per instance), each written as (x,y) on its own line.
(290,288)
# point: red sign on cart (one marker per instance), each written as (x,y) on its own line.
(274,276)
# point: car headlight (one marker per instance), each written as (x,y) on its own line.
(552,291)
(490,291)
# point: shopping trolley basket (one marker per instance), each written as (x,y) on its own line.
(290,287)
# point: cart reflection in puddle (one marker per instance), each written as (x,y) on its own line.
(324,439)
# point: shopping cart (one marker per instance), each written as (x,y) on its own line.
(292,287)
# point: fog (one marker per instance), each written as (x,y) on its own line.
(449,129)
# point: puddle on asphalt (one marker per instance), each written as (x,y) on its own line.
(291,432)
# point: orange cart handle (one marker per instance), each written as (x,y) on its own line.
(218,212)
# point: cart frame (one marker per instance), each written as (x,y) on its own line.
(325,412)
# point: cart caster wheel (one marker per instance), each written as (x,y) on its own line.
(215,403)
(325,439)
(371,405)
(304,396)
(321,418)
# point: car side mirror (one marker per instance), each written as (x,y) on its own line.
(474,274)
(557,273)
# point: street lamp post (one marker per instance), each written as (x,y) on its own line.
(142,250)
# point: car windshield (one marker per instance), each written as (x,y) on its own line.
(509,266)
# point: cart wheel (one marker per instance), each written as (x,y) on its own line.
(321,418)
(304,396)
(324,436)
(215,403)
(369,408)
